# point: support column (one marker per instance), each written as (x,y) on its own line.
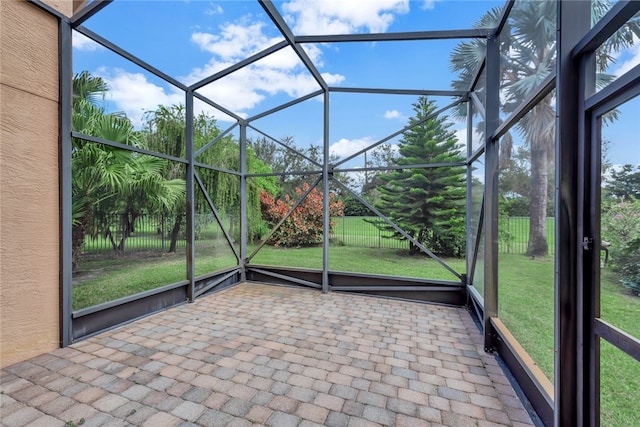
(491,171)
(243,202)
(325,185)
(573,384)
(191,238)
(469,251)
(66,147)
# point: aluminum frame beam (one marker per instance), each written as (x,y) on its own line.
(131,148)
(491,191)
(214,140)
(506,11)
(625,86)
(65,150)
(87,11)
(469,200)
(130,57)
(326,221)
(282,26)
(477,73)
(277,141)
(293,208)
(622,340)
(244,227)
(473,33)
(401,167)
(399,230)
(237,66)
(616,17)
(571,406)
(217,169)
(477,104)
(476,155)
(286,105)
(256,175)
(389,91)
(190,229)
(217,106)
(401,131)
(538,94)
(216,215)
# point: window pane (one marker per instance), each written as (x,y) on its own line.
(526,233)
(620,218)
(129,215)
(619,385)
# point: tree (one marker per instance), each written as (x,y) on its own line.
(105,179)
(287,162)
(165,132)
(381,156)
(528,44)
(623,184)
(515,183)
(427,203)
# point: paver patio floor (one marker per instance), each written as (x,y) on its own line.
(270,355)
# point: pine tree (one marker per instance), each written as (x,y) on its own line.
(427,203)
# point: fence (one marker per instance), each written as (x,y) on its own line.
(152,233)
(359,232)
(514,235)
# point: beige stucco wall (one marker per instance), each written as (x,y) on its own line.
(29,211)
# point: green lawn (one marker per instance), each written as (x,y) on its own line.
(362,260)
(108,279)
(525,294)
(526,298)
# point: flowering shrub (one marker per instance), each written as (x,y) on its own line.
(304,226)
(621,227)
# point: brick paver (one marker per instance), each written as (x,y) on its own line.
(271,355)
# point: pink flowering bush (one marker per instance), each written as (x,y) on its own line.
(305,225)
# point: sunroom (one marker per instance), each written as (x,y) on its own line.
(474,155)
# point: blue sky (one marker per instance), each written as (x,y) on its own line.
(191,40)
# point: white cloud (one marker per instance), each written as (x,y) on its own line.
(341,17)
(346,147)
(84,43)
(214,9)
(393,114)
(632,61)
(243,90)
(236,40)
(133,94)
(429,4)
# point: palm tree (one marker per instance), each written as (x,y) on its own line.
(528,56)
(105,178)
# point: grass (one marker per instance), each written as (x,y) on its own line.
(526,301)
(105,280)
(526,295)
(362,260)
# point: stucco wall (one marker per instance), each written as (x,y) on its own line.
(29,213)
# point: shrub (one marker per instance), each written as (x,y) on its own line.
(621,227)
(304,227)
(629,266)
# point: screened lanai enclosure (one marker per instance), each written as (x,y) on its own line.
(488,160)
